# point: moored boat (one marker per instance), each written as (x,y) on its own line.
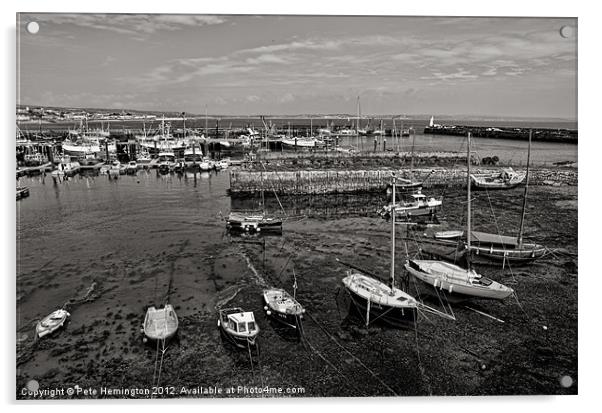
(458,281)
(131,167)
(506,179)
(283,307)
(160,324)
(22,192)
(52,322)
(377,301)
(238,327)
(417,205)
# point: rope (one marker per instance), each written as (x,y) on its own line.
(424,378)
(353,356)
(339,372)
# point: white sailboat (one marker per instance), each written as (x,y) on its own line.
(458,281)
(377,300)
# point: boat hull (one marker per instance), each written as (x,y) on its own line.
(458,289)
(391,316)
(286,319)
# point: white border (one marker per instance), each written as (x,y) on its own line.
(589,154)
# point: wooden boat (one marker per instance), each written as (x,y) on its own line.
(160,324)
(501,248)
(51,323)
(376,300)
(505,179)
(451,277)
(238,326)
(417,205)
(283,307)
(22,192)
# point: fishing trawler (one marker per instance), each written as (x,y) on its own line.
(378,301)
(458,281)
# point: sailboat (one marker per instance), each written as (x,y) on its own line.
(461,282)
(501,248)
(377,300)
(409,185)
(253,221)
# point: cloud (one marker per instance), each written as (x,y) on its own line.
(132,24)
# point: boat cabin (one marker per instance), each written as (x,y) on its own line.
(242,323)
(167,157)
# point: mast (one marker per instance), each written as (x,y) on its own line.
(468,233)
(412,160)
(206,122)
(522,218)
(357,124)
(393,238)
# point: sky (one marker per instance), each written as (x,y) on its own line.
(249,65)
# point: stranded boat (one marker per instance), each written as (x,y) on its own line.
(238,326)
(51,323)
(505,179)
(160,324)
(253,222)
(283,307)
(462,282)
(500,248)
(377,300)
(417,205)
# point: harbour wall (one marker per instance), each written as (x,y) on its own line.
(304,182)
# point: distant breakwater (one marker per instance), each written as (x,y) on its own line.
(313,182)
(539,134)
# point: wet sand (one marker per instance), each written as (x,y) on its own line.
(111,249)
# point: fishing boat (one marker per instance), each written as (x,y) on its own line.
(166,161)
(160,324)
(193,155)
(500,248)
(22,192)
(417,205)
(164,141)
(116,168)
(144,160)
(52,322)
(377,300)
(81,147)
(283,307)
(66,167)
(238,326)
(131,167)
(459,282)
(506,179)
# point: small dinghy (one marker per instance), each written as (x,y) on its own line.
(283,307)
(238,326)
(52,322)
(506,179)
(160,324)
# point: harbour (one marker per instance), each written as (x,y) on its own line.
(183,250)
(296,206)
